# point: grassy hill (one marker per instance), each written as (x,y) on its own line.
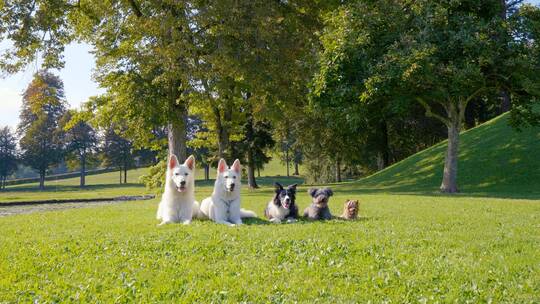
(494,160)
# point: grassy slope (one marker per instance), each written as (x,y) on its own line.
(494,160)
(406,248)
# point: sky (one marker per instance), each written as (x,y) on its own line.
(77,77)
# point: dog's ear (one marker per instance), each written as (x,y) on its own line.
(278,187)
(236,166)
(293,187)
(328,191)
(312,191)
(190,162)
(173,161)
(222,166)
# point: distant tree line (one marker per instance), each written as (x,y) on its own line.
(343,87)
(49,134)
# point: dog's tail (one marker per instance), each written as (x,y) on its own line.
(247,213)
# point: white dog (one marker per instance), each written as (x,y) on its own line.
(223,206)
(178,201)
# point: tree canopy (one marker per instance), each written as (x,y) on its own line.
(40,133)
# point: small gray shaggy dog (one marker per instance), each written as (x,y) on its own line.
(318,210)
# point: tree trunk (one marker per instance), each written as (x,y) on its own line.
(296,171)
(83,170)
(470,116)
(250,134)
(449,182)
(506,102)
(206,171)
(258,172)
(120,170)
(287,160)
(380,161)
(338,170)
(42,180)
(177,134)
(252,182)
(222,133)
(385,154)
(125,173)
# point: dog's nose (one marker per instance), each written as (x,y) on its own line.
(232,185)
(182,183)
(287,200)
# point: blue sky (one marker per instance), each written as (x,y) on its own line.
(77,77)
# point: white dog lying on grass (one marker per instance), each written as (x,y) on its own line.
(224,205)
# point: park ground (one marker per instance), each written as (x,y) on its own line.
(411,244)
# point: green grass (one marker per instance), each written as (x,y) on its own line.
(404,249)
(411,245)
(98,186)
(494,160)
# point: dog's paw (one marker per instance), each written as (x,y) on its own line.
(275,221)
(186,222)
(164,223)
(291,220)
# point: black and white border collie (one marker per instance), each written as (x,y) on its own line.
(283,206)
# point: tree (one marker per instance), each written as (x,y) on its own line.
(448,57)
(8,155)
(258,140)
(41,136)
(152,56)
(117,151)
(80,139)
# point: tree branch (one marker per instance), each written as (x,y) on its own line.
(429,112)
(135,8)
(473,95)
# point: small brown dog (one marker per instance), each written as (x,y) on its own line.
(350,210)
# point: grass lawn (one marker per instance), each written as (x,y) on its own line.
(411,244)
(406,248)
(99,185)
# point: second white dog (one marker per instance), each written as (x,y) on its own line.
(223,206)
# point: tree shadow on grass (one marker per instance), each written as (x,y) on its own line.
(304,221)
(502,193)
(255,221)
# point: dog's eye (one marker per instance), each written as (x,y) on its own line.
(186,174)
(234,177)
(177,174)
